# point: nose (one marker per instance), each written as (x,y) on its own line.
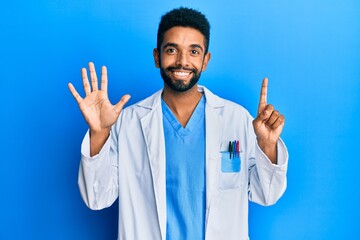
(182,59)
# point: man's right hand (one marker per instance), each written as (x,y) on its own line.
(96,108)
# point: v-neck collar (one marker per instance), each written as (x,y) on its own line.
(192,124)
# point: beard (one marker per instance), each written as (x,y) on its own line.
(179,85)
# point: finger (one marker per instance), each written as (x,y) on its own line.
(266,112)
(93,77)
(104,79)
(273,117)
(263,116)
(85,81)
(263,95)
(119,106)
(280,121)
(75,93)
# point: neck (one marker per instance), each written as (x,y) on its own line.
(182,104)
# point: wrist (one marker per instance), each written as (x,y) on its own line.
(101,133)
(97,140)
(266,144)
(269,148)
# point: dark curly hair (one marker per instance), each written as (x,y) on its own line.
(184,17)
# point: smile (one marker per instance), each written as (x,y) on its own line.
(181,74)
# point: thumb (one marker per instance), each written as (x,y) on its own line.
(263,115)
(261,118)
(119,106)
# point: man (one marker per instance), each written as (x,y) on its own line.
(183,162)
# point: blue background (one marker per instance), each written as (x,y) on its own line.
(310,50)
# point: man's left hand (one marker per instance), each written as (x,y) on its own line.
(268,125)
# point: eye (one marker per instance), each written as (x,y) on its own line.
(195,52)
(171,50)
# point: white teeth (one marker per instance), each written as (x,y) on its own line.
(181,74)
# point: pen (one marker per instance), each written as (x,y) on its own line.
(234,149)
(230,148)
(238,147)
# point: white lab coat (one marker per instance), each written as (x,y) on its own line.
(131,167)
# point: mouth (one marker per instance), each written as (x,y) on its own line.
(181,75)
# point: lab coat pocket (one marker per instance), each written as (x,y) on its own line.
(229,174)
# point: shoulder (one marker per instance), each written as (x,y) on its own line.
(144,106)
(131,116)
(228,106)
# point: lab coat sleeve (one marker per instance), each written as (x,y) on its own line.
(97,177)
(267,181)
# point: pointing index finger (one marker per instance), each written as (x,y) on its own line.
(263,95)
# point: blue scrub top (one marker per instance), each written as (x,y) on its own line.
(185,174)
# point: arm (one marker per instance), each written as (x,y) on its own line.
(268,155)
(98,175)
(98,168)
(267,181)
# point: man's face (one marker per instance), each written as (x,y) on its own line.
(181,58)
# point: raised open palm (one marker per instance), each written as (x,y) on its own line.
(96,108)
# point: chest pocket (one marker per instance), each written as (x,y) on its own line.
(229,170)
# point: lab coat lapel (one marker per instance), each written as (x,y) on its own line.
(152,127)
(213,116)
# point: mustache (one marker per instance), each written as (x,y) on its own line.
(181,68)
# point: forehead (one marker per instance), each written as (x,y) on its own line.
(184,36)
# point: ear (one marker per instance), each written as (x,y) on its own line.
(206,61)
(156,58)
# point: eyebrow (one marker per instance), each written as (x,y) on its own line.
(197,46)
(170,44)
